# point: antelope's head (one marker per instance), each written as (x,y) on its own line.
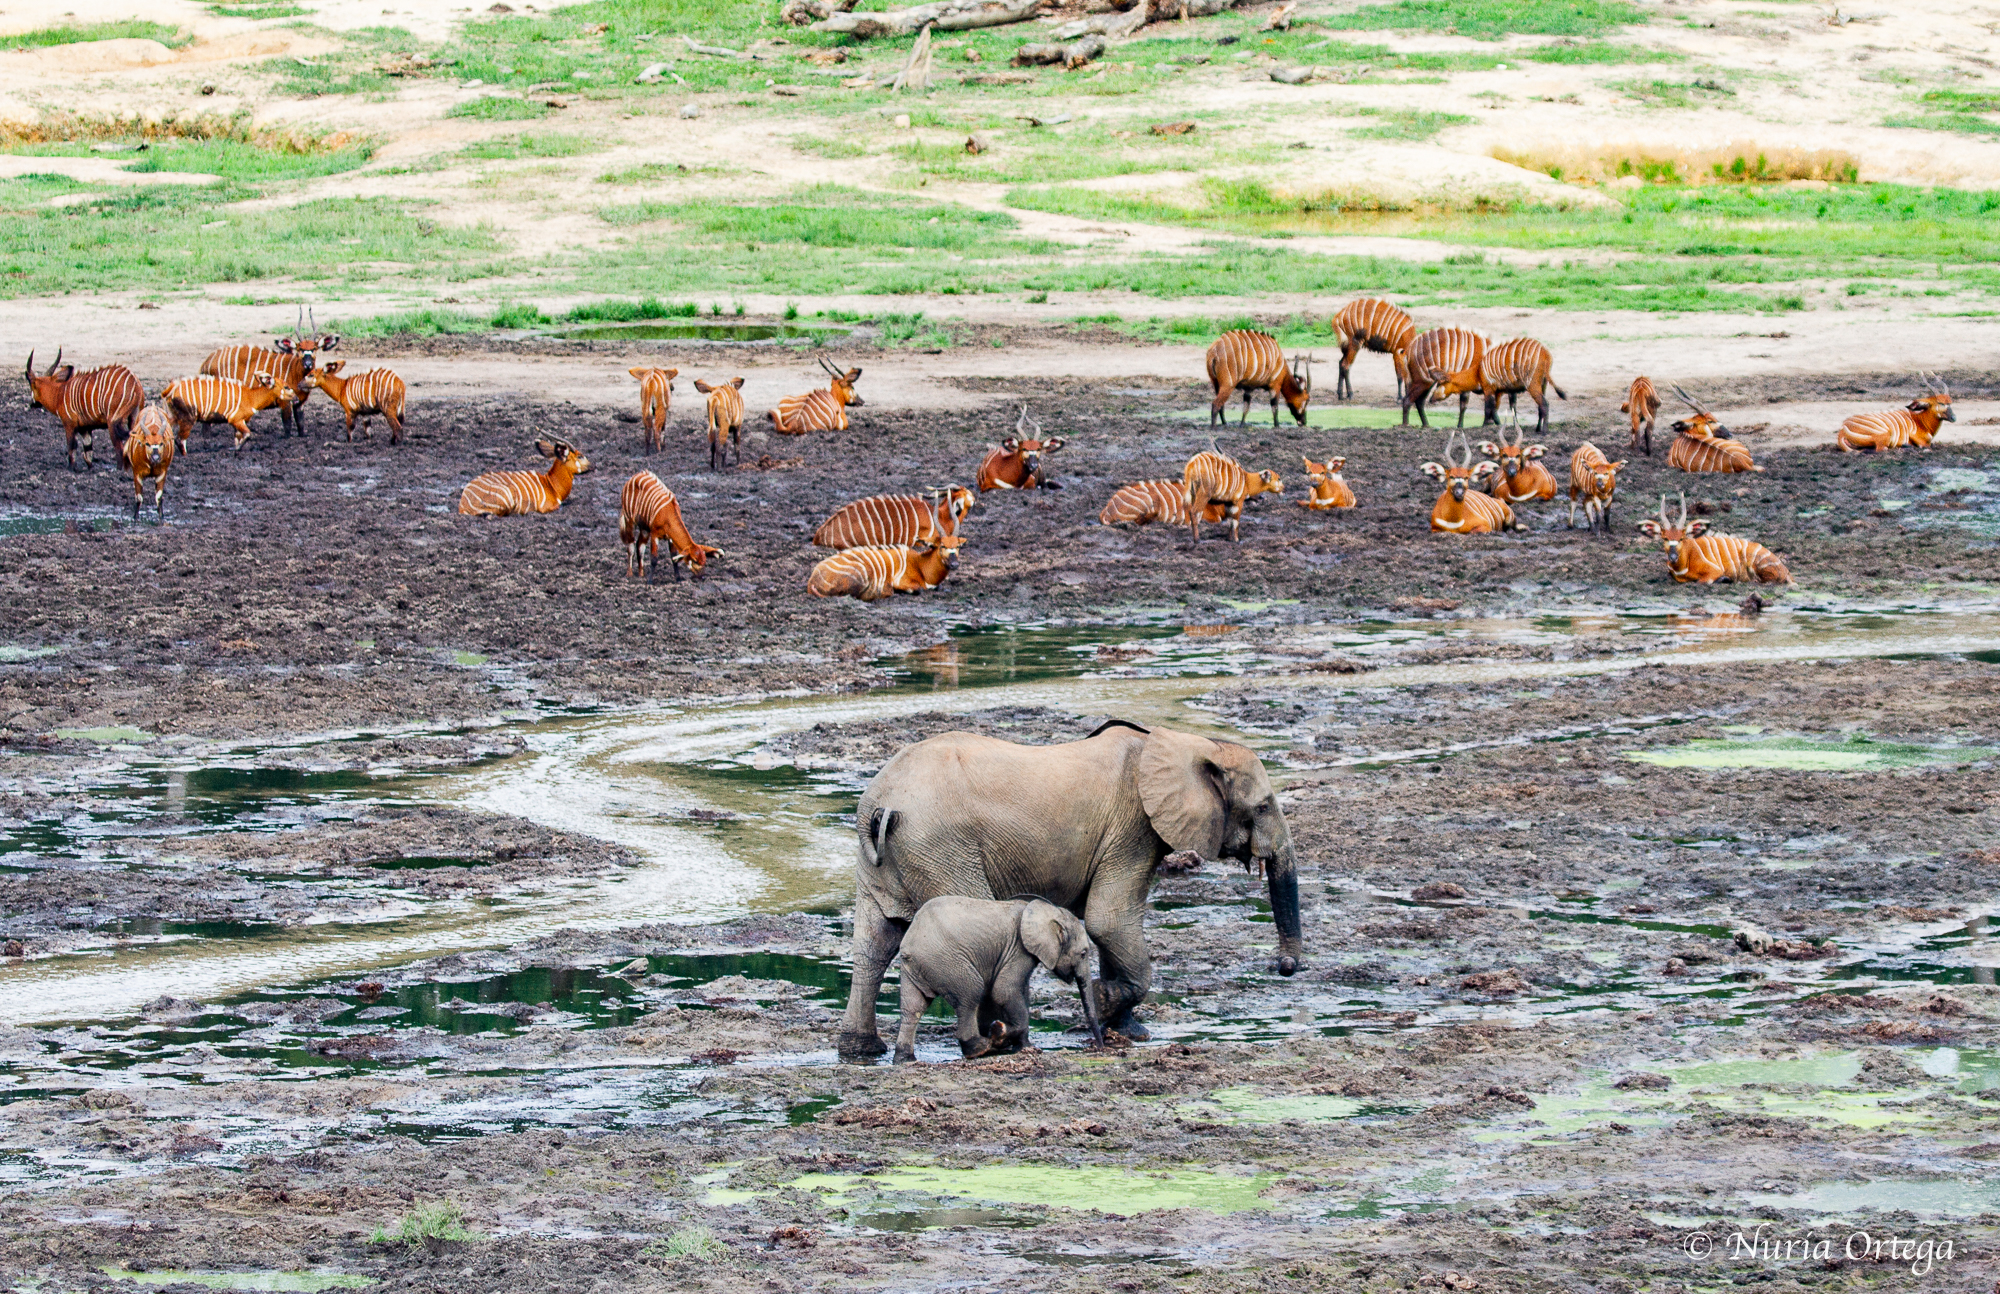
(1672,534)
(306,338)
(669,374)
(1936,401)
(46,388)
(941,556)
(1458,474)
(152,435)
(843,383)
(266,380)
(1296,386)
(1701,425)
(699,556)
(703,387)
(1266,482)
(954,501)
(315,379)
(561,453)
(1031,447)
(1604,478)
(1511,454)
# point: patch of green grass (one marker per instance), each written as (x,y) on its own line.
(1958,123)
(497,107)
(443,1220)
(1491,19)
(827,216)
(126,29)
(837,148)
(1673,94)
(632,311)
(1599,52)
(1407,123)
(1961,100)
(645,173)
(531,146)
(243,162)
(182,236)
(689,1242)
(258,11)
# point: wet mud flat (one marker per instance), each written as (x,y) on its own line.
(311,585)
(1527,1046)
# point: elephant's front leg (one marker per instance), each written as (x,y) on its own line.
(1114,917)
(876,942)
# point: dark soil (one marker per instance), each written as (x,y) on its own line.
(313,585)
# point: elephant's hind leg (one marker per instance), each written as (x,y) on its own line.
(876,942)
(915,1002)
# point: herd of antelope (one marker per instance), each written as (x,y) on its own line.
(888,544)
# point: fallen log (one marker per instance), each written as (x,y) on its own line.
(943,15)
(1114,25)
(1071,56)
(798,13)
(1171,10)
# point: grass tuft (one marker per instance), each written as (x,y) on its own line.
(495,107)
(689,1242)
(126,29)
(443,1220)
(1491,19)
(531,146)
(1407,124)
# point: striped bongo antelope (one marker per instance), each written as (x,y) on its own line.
(216,400)
(656,396)
(1212,477)
(149,452)
(1376,325)
(1509,369)
(1462,509)
(1594,480)
(1697,557)
(513,494)
(288,360)
(1245,360)
(108,397)
(818,410)
(1521,478)
(725,420)
(374,391)
(896,520)
(876,572)
(1434,357)
(1020,462)
(1143,502)
(1329,489)
(1701,444)
(647,513)
(1642,402)
(1916,423)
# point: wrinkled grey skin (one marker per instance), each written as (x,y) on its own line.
(979,955)
(1083,825)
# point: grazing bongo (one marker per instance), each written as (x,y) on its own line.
(376,390)
(1214,477)
(1917,423)
(1509,369)
(1462,509)
(108,397)
(1594,480)
(1375,324)
(818,410)
(896,520)
(513,494)
(1329,489)
(725,420)
(213,401)
(1144,502)
(656,396)
(149,452)
(876,572)
(1437,356)
(1521,478)
(647,513)
(1701,444)
(1642,402)
(1246,360)
(1021,461)
(1697,557)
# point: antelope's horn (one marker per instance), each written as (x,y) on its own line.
(31,365)
(56,363)
(299,321)
(312,321)
(1684,509)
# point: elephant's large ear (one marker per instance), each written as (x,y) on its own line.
(1180,786)
(1042,932)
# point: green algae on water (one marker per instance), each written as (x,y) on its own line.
(306,1281)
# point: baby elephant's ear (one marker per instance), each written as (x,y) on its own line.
(1042,931)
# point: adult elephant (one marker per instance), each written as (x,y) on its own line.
(1083,825)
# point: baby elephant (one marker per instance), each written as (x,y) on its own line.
(978,954)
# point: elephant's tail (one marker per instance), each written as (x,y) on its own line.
(875,841)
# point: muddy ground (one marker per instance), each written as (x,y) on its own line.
(315,585)
(1500,940)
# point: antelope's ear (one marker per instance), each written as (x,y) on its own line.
(1918,406)
(1680,426)
(1484,469)
(1490,449)
(1434,470)
(702,386)
(1052,444)
(334,367)
(639,373)
(1650,529)
(1011,445)
(1696,529)
(1335,464)
(1534,451)
(738,384)
(284,344)
(1310,465)
(546,448)
(673,373)
(66,372)
(330,341)
(852,375)
(1615,466)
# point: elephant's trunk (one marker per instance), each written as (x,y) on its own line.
(1282,875)
(1088,991)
